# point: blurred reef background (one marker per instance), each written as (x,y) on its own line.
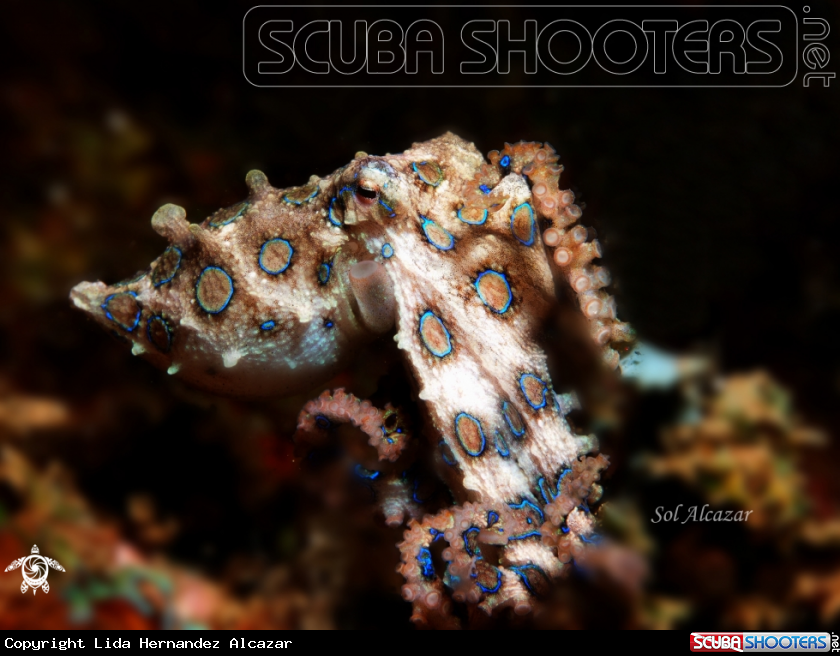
(718,211)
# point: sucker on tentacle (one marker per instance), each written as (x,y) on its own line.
(447,251)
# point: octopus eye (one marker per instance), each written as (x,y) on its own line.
(366,195)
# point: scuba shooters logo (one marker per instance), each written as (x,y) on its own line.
(35,569)
(760,642)
(699,45)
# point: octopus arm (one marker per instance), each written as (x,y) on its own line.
(383,427)
(571,251)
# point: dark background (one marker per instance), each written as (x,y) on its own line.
(717,210)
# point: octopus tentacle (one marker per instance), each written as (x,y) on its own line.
(471,578)
(383,427)
(572,252)
(515,591)
(423,587)
(468,574)
(569,527)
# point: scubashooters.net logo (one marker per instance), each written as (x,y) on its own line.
(763,642)
(528,46)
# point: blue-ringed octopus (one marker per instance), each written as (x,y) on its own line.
(458,257)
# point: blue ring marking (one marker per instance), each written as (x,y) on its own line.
(328,323)
(428,314)
(492,518)
(505,161)
(440,247)
(484,300)
(545,490)
(436,535)
(520,571)
(423,177)
(530,504)
(390,209)
(174,271)
(414,496)
(501,445)
(361,472)
(525,394)
(479,222)
(524,536)
(480,432)
(288,262)
(465,537)
(165,324)
(562,476)
(564,528)
(231,219)
(595,539)
(268,325)
(541,488)
(449,461)
(304,200)
(506,406)
(484,189)
(332,217)
(322,422)
(424,557)
(389,440)
(198,284)
(324,271)
(498,585)
(108,314)
(532,223)
(387,251)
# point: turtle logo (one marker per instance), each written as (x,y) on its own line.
(35,570)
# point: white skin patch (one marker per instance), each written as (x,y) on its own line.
(230,358)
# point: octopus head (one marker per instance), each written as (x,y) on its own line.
(262,298)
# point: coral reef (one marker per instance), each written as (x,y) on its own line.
(741,448)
